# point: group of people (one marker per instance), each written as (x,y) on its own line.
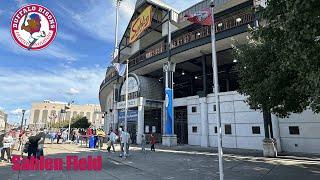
(126,140)
(7,143)
(29,142)
(32,142)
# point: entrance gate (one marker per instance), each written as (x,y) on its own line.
(181,124)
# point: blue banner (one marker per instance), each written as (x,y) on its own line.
(169,111)
(132,116)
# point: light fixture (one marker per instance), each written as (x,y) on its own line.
(245,67)
(173,83)
(238,20)
(198,34)
(220,24)
(235,60)
(183,73)
(196,77)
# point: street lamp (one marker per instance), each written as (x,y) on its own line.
(216,91)
(23,111)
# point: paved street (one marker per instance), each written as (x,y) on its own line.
(176,163)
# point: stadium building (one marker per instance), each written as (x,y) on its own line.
(194,105)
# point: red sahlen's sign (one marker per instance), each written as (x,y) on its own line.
(70,163)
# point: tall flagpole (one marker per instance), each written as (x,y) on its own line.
(126,111)
(216,91)
(116,48)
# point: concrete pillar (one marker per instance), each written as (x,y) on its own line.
(115,119)
(276,131)
(40,119)
(140,123)
(204,122)
(163,122)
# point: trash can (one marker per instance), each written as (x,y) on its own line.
(95,141)
(91,142)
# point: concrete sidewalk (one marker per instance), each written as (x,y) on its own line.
(169,163)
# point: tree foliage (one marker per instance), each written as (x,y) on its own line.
(279,69)
(76,122)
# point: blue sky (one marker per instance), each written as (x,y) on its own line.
(73,66)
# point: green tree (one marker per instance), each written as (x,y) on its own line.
(76,122)
(79,122)
(279,68)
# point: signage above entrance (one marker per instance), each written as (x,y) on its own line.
(140,24)
(131,103)
(133,85)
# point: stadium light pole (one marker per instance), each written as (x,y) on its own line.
(216,91)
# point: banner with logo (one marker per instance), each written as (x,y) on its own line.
(202,17)
(140,24)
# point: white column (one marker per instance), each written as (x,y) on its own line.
(39,119)
(163,123)
(204,122)
(140,123)
(115,118)
(276,131)
(106,126)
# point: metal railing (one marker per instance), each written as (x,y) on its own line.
(221,24)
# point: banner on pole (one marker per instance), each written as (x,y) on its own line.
(202,17)
(140,24)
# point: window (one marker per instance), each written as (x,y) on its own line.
(194,109)
(214,108)
(294,130)
(227,129)
(255,129)
(194,129)
(215,129)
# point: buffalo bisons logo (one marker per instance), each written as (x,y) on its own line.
(33,27)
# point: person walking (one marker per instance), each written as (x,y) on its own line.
(77,133)
(113,138)
(101,135)
(64,136)
(25,142)
(1,143)
(7,143)
(153,142)
(143,143)
(33,146)
(42,136)
(73,136)
(52,136)
(59,134)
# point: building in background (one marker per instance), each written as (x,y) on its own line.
(194,104)
(42,114)
(3,120)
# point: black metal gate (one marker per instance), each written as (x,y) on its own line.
(181,124)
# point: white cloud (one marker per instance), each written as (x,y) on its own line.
(55,49)
(18,111)
(98,19)
(66,36)
(72,91)
(20,2)
(25,87)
